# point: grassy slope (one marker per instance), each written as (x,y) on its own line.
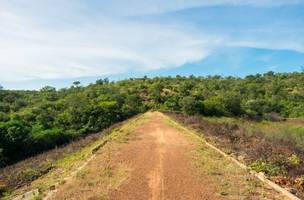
(275,148)
(66,166)
(230,180)
(286,131)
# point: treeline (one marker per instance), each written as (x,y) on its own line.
(34,121)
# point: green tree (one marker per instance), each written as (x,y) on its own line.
(14,136)
(213,107)
(191,106)
(49,93)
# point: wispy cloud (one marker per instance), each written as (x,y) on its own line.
(102,46)
(68,38)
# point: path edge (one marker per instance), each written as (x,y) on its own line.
(31,194)
(260,176)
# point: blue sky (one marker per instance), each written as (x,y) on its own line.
(54,42)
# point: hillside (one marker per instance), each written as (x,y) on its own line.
(152,100)
(41,120)
(257,119)
(150,157)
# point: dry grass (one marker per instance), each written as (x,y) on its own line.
(96,180)
(22,173)
(269,147)
(231,181)
(67,165)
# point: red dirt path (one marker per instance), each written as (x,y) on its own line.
(161,169)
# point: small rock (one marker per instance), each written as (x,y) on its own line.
(224,193)
(53,187)
(216,173)
(292,190)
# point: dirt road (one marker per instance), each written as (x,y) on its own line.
(159,162)
(161,168)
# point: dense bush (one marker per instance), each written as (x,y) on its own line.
(34,121)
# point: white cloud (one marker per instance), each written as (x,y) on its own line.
(67,38)
(31,50)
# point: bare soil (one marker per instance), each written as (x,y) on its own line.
(160,162)
(161,170)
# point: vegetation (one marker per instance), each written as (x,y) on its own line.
(57,165)
(34,121)
(229,179)
(273,148)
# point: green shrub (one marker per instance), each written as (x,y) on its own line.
(190,105)
(45,166)
(294,159)
(28,174)
(4,117)
(267,168)
(213,107)
(49,138)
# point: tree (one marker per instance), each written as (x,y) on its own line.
(155,93)
(4,107)
(191,106)
(255,106)
(232,103)
(49,93)
(99,82)
(213,107)
(39,120)
(76,83)
(13,140)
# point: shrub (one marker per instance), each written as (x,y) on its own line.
(213,107)
(294,159)
(28,174)
(4,117)
(267,168)
(190,105)
(49,138)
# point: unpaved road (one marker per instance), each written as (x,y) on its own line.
(159,158)
(161,168)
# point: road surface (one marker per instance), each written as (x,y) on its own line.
(159,162)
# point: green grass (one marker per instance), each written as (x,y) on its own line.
(266,167)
